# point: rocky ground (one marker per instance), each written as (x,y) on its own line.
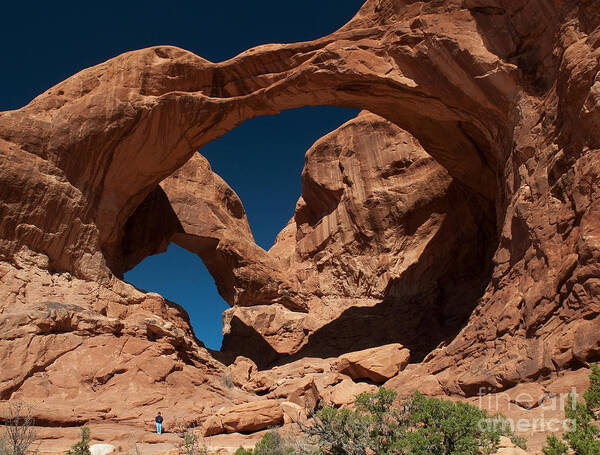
(535,409)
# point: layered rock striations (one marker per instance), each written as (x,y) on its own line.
(459,217)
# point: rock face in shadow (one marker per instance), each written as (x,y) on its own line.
(386,246)
(465,208)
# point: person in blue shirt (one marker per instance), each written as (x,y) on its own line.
(159,421)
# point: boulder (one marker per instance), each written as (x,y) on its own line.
(302,391)
(247,417)
(345,393)
(241,371)
(293,413)
(377,364)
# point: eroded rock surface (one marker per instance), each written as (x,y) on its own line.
(377,364)
(76,351)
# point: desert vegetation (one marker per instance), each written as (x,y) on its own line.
(420,425)
(274,443)
(18,435)
(583,434)
(81,447)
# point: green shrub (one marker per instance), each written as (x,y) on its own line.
(453,428)
(340,432)
(555,446)
(426,426)
(272,444)
(592,395)
(583,436)
(82,447)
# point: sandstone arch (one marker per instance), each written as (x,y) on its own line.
(504,94)
(114,131)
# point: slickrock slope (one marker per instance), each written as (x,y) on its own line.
(76,351)
(463,212)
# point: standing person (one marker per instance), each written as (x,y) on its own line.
(159,421)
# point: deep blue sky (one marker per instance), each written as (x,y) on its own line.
(46,42)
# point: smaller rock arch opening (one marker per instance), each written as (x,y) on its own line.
(182,277)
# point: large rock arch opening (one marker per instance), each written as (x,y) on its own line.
(384,247)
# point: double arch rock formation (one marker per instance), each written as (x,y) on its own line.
(101,170)
(116,130)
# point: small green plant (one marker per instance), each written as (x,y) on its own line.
(272,444)
(190,442)
(555,446)
(583,436)
(82,447)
